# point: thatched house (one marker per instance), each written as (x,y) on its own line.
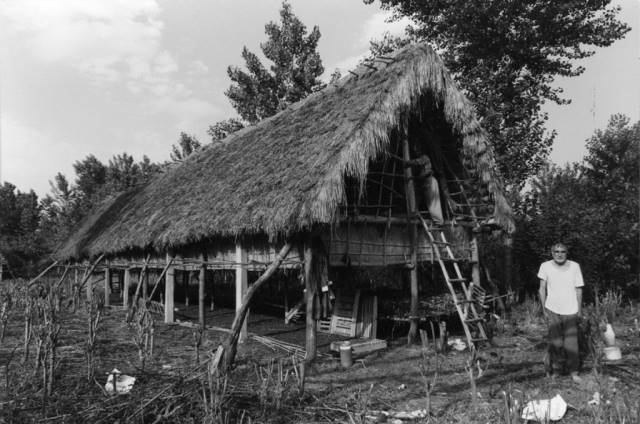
(340,176)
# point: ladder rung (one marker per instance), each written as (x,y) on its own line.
(480,339)
(474,320)
(457,280)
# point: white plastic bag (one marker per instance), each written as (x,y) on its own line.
(539,410)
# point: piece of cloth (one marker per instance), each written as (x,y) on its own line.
(562,281)
(563,342)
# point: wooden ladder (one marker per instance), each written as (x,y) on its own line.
(474,295)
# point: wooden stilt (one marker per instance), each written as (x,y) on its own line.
(231,343)
(410,194)
(315,267)
(241,286)
(107,285)
(125,289)
(169,284)
(201,283)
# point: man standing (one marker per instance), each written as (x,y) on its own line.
(561,296)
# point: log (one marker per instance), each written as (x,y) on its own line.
(231,342)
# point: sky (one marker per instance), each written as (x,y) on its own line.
(103,77)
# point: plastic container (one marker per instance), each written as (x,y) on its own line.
(612,353)
(346,355)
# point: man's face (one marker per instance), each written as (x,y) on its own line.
(559,255)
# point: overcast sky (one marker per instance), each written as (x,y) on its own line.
(103,77)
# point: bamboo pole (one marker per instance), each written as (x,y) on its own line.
(230,344)
(169,286)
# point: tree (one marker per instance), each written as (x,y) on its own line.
(258,92)
(592,206)
(20,241)
(505,54)
(187,144)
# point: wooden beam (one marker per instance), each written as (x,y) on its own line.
(169,285)
(107,285)
(39,276)
(141,276)
(315,269)
(125,289)
(241,286)
(410,195)
(231,342)
(201,282)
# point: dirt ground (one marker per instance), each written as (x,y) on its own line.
(387,386)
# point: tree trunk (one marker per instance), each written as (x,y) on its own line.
(231,343)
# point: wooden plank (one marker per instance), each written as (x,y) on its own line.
(361,346)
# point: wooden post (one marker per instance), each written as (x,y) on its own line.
(508,265)
(241,286)
(90,287)
(409,189)
(169,284)
(107,285)
(201,282)
(315,266)
(230,345)
(475,261)
(125,289)
(145,286)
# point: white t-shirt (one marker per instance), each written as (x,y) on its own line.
(561,286)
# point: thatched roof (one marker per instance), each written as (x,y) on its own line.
(287,172)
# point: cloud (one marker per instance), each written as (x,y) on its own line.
(378,24)
(105,41)
(373,28)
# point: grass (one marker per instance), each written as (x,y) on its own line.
(174,384)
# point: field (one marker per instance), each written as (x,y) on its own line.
(399,384)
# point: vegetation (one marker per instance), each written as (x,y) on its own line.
(505,54)
(592,206)
(258,92)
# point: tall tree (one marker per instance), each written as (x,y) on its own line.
(505,54)
(259,92)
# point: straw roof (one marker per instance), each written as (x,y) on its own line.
(287,172)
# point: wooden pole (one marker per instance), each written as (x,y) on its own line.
(231,342)
(410,194)
(143,271)
(32,282)
(107,285)
(164,271)
(201,282)
(169,284)
(125,289)
(241,286)
(310,284)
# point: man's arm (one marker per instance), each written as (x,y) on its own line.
(542,293)
(579,297)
